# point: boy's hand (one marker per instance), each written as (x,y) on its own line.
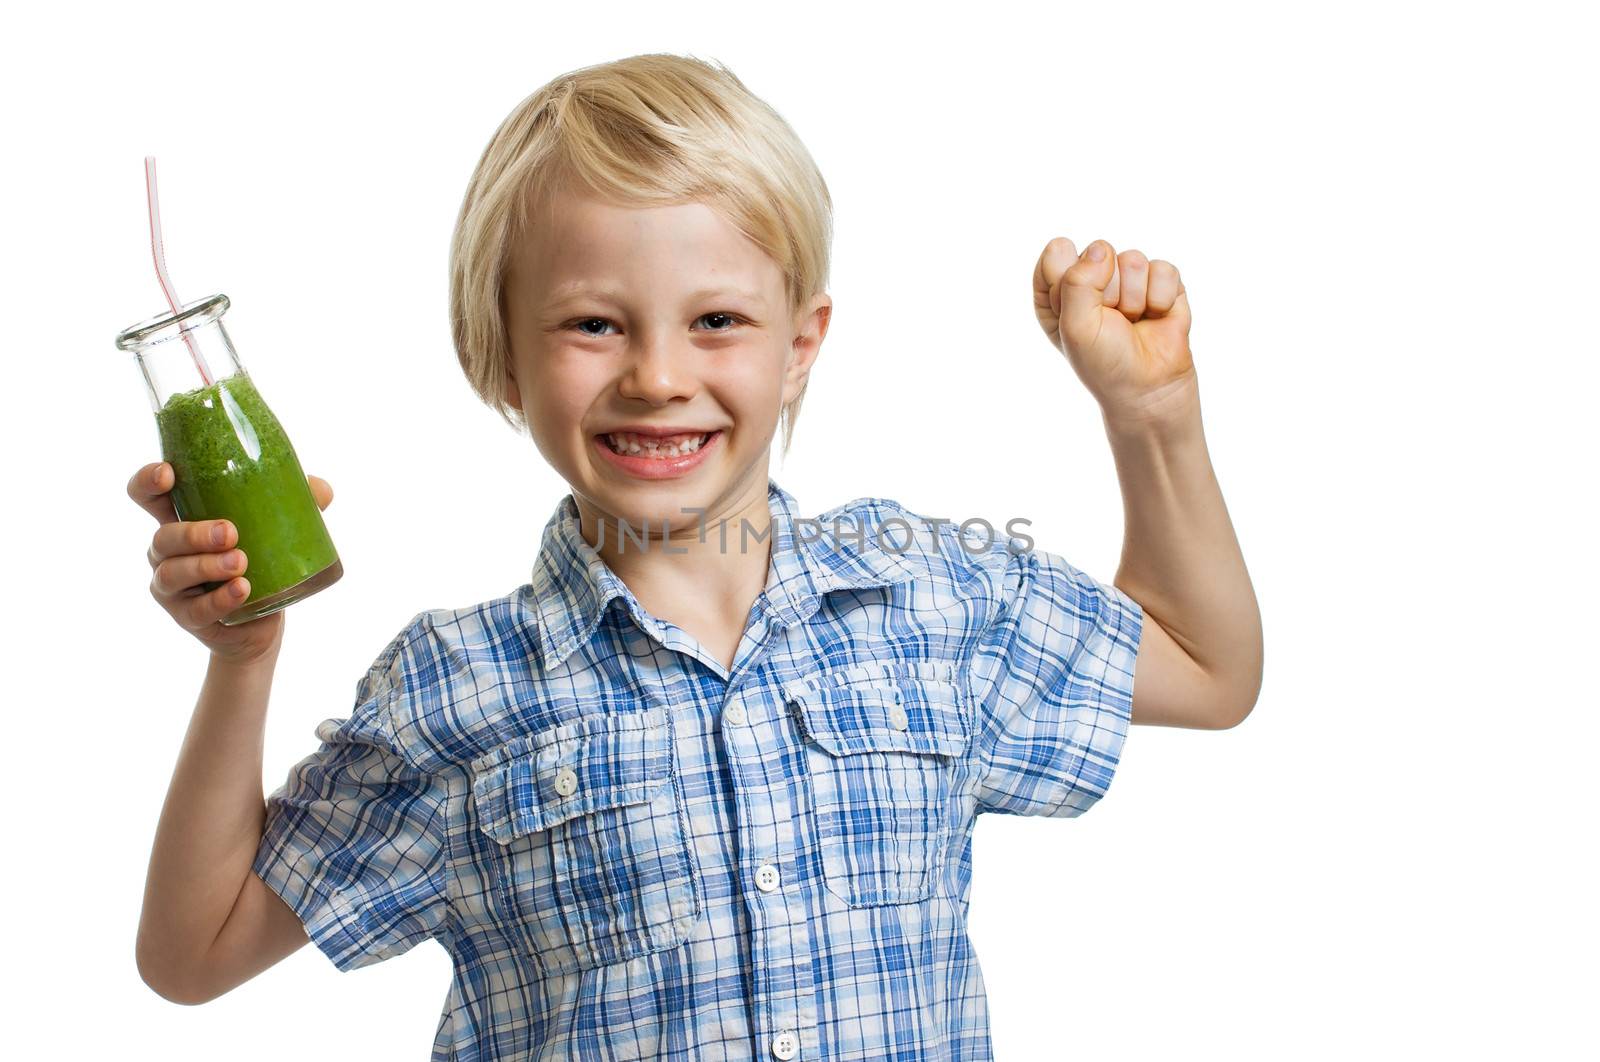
(183,556)
(1123,323)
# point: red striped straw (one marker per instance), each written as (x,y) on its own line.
(159,253)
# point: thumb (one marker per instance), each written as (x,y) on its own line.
(1089,285)
(320,490)
(1058,254)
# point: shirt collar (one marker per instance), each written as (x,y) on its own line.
(572,585)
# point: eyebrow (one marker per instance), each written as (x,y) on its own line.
(572,292)
(706,293)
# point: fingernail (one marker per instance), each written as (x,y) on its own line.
(1097,253)
(218,533)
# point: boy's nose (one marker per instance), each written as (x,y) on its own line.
(659,372)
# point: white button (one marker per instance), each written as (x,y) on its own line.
(734,714)
(785,1045)
(766,877)
(566,781)
(897,717)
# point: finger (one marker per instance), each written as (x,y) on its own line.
(1134,268)
(182,537)
(176,574)
(149,488)
(202,611)
(1165,286)
(321,490)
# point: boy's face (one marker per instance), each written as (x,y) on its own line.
(660,317)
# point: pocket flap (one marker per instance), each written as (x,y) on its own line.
(543,779)
(856,709)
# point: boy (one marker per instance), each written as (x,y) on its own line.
(704,787)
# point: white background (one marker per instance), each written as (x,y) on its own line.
(1385,219)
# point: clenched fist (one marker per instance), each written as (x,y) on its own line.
(1122,320)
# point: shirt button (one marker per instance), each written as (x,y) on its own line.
(897,717)
(566,781)
(766,877)
(734,714)
(785,1045)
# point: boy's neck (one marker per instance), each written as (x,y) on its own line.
(707,587)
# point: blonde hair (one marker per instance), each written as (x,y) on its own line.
(647,130)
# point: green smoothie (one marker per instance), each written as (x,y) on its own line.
(233,461)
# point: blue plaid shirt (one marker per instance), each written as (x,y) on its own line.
(631,852)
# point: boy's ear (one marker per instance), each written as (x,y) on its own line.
(811,325)
(513,395)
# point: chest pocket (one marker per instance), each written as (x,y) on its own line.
(883,743)
(591,861)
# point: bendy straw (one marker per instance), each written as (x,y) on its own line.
(159,253)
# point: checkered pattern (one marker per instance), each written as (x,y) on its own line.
(631,851)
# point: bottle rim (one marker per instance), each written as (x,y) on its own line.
(191,316)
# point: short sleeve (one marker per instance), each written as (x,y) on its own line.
(1052,688)
(356,842)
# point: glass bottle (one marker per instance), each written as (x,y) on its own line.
(231,458)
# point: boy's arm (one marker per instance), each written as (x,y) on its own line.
(208,923)
(1200,661)
(1123,322)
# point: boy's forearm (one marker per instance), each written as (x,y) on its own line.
(211,822)
(1180,556)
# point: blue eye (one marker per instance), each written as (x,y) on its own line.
(731,318)
(579,324)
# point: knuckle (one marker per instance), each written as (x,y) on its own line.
(200,611)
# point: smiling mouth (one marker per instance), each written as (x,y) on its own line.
(630,445)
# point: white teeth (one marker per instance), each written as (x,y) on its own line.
(634,445)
